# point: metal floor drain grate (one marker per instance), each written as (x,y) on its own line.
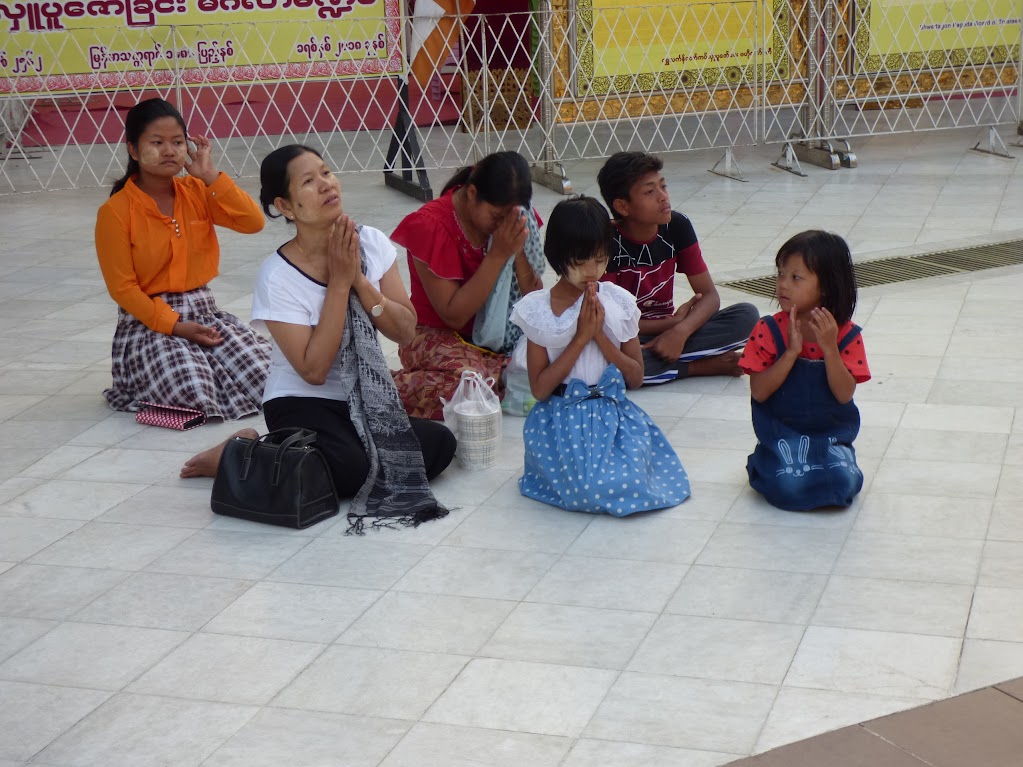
(904,268)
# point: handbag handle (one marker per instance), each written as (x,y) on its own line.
(297,437)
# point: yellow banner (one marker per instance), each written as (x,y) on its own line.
(62,46)
(641,45)
(900,34)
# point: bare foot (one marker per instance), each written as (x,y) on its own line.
(726,364)
(205,464)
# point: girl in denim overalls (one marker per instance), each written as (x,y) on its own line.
(804,363)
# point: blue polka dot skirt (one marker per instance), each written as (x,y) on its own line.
(593,450)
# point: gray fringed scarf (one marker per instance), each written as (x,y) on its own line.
(396,490)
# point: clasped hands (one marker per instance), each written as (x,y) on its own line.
(821,323)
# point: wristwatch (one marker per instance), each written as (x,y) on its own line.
(377,310)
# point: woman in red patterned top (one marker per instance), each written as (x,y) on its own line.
(458,247)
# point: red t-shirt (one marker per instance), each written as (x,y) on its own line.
(761,352)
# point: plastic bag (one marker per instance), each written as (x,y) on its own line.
(474,415)
(518,395)
(474,396)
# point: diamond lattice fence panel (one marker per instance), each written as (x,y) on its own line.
(918,66)
(569,80)
(251,86)
(656,77)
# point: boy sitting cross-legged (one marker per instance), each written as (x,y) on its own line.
(651,242)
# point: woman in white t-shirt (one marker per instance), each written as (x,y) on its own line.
(322,297)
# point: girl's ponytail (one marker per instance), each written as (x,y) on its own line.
(459,179)
(273,175)
(131,170)
(501,178)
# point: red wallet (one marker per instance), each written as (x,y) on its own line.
(169,416)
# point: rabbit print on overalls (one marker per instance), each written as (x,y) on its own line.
(804,453)
(804,457)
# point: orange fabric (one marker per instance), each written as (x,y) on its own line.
(141,253)
(441,39)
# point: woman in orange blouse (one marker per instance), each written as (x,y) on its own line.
(158,249)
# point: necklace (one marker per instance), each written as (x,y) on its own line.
(461,228)
(299,246)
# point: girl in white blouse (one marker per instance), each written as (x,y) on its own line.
(587,447)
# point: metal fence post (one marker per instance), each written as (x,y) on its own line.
(815,149)
(177,69)
(550,173)
(486,113)
(1019,80)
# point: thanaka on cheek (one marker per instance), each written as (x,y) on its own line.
(149,155)
(579,275)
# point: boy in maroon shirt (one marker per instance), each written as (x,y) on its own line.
(651,243)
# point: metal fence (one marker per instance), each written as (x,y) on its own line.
(567,80)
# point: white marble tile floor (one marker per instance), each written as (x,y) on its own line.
(138,628)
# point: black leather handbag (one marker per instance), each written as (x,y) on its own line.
(280,479)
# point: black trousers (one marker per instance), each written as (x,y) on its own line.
(337,438)
(727,326)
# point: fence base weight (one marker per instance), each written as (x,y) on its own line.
(788,161)
(823,156)
(555,180)
(730,169)
(995,145)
